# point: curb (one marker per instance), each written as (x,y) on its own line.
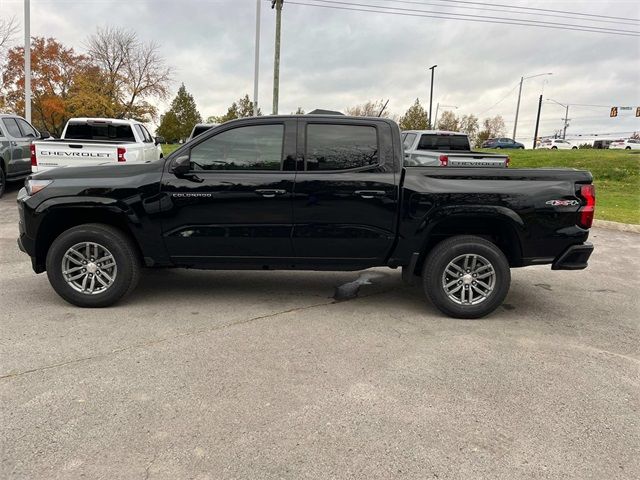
(620,227)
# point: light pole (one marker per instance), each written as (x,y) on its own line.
(277,4)
(256,71)
(27,61)
(522,79)
(435,119)
(432,68)
(566,116)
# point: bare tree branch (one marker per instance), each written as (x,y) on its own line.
(8,30)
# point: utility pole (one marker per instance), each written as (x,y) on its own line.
(535,135)
(27,61)
(566,116)
(277,4)
(522,79)
(256,67)
(432,68)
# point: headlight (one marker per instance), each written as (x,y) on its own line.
(33,186)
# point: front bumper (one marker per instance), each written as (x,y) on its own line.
(573,258)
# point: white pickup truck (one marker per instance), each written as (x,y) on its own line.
(96,141)
(440,148)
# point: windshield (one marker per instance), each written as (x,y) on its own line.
(434,141)
(99,131)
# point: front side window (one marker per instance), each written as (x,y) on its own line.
(341,147)
(27,130)
(409,139)
(254,147)
(147,136)
(12,127)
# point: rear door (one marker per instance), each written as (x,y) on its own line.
(346,195)
(19,142)
(235,206)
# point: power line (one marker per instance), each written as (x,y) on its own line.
(572,16)
(446,17)
(499,101)
(534,9)
(484,17)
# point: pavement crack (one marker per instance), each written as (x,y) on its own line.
(174,337)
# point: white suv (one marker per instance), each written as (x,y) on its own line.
(556,144)
(628,144)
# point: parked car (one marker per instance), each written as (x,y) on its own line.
(16,135)
(96,141)
(502,143)
(625,144)
(304,192)
(425,148)
(556,144)
(200,128)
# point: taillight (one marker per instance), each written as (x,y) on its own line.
(508,161)
(34,160)
(588,194)
(121,152)
(444,160)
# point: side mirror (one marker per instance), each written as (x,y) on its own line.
(181,166)
(159,140)
(44,135)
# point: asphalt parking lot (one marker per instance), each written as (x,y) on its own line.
(252,375)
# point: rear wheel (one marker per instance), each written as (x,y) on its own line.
(628,148)
(466,277)
(574,148)
(93,265)
(554,148)
(3,181)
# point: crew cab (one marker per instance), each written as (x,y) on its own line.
(430,148)
(307,193)
(96,141)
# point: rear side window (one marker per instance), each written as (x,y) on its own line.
(255,147)
(341,147)
(12,127)
(93,131)
(443,142)
(409,139)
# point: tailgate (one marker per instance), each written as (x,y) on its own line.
(71,154)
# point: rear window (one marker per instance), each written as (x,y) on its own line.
(443,142)
(99,131)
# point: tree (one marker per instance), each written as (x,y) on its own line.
(469,125)
(8,29)
(415,118)
(241,108)
(448,121)
(491,128)
(299,111)
(368,109)
(134,72)
(54,69)
(177,123)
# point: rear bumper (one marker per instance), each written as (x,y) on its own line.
(573,258)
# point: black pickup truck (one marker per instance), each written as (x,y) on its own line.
(306,193)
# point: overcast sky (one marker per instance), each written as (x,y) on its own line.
(336,58)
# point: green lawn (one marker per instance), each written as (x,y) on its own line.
(616,175)
(168,148)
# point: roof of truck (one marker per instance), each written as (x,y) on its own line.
(104,120)
(435,132)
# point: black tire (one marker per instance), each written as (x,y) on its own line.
(554,148)
(124,255)
(433,275)
(628,148)
(574,148)
(3,181)
(521,148)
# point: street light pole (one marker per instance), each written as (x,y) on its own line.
(276,64)
(432,68)
(256,67)
(27,61)
(522,79)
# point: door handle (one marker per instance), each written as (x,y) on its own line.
(14,144)
(270,192)
(367,194)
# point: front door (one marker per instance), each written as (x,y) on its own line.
(235,205)
(19,143)
(346,196)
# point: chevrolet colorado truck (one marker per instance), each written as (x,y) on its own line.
(306,193)
(96,141)
(441,148)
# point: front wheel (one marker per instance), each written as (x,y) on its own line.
(466,277)
(554,148)
(628,148)
(93,265)
(574,148)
